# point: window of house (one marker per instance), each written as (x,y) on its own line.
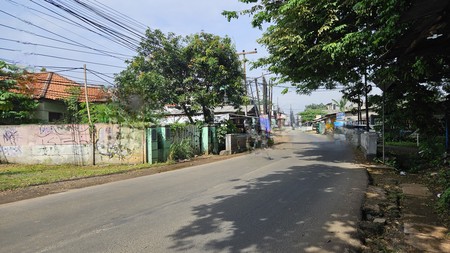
(55,116)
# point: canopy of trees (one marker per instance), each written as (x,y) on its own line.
(197,73)
(311,111)
(314,44)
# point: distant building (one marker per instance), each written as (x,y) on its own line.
(174,114)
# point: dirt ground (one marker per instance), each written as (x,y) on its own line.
(399,213)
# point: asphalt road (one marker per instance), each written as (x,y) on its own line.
(303,196)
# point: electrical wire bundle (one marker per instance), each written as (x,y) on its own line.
(63,35)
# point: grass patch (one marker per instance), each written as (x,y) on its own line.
(13,176)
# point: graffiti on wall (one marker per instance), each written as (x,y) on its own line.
(59,150)
(11,136)
(9,143)
(46,150)
(10,151)
(71,144)
(115,142)
(63,134)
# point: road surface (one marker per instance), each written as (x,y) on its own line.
(302,196)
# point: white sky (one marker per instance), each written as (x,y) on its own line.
(178,16)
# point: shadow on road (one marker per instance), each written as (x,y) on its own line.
(298,209)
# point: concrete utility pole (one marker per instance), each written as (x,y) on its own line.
(91,126)
(86,95)
(244,53)
(270,100)
(265,96)
(244,61)
(257,94)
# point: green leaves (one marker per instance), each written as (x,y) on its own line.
(15,108)
(316,44)
(195,72)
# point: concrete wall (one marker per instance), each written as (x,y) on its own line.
(353,137)
(369,144)
(364,140)
(119,145)
(235,143)
(46,144)
(71,144)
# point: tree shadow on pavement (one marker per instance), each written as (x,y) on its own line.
(335,152)
(313,208)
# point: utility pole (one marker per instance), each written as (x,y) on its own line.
(367,89)
(244,61)
(86,95)
(265,96)
(257,94)
(270,100)
(91,126)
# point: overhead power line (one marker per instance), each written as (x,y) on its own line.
(71,59)
(125,18)
(130,40)
(73,42)
(67,18)
(59,19)
(9,49)
(53,39)
(95,73)
(63,48)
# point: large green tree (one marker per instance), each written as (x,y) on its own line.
(417,100)
(323,43)
(197,73)
(15,107)
(314,44)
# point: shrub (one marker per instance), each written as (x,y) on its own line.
(443,203)
(227,127)
(432,150)
(181,150)
(270,142)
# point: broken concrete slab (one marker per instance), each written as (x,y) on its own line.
(417,190)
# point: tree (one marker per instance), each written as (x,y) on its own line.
(320,106)
(110,112)
(315,44)
(342,104)
(73,115)
(414,104)
(15,108)
(311,111)
(197,73)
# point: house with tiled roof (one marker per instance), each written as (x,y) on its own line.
(50,89)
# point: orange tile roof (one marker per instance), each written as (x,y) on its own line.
(53,86)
